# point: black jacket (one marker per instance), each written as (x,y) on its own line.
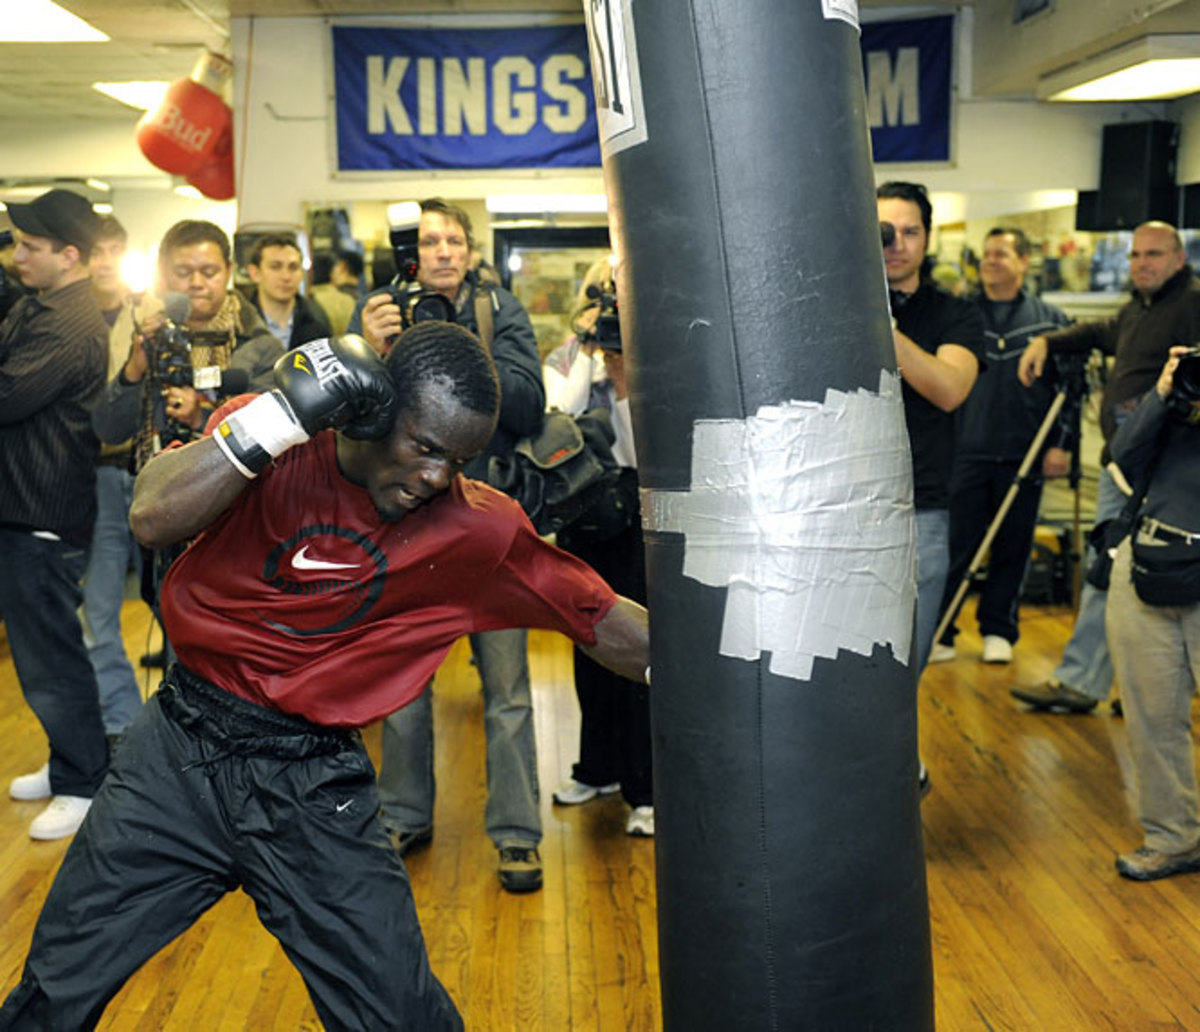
(309,322)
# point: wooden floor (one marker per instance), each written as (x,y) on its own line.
(1032,929)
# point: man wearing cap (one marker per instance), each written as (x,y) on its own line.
(53,356)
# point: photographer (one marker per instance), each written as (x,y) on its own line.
(194,260)
(1163,311)
(1152,617)
(588,372)
(446,287)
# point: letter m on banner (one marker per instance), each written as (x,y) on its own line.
(907,66)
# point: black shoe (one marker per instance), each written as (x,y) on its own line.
(1053,696)
(153,659)
(404,842)
(520,868)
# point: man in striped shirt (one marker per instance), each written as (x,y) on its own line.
(53,357)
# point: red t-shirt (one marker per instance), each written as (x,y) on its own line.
(300,598)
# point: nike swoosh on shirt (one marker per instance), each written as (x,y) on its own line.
(301,561)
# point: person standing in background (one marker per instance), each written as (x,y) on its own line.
(53,354)
(114,549)
(588,372)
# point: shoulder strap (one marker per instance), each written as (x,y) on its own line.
(484,319)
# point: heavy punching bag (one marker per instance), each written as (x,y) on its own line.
(777,511)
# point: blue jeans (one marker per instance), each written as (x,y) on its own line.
(39,599)
(1086,664)
(113,550)
(406,780)
(933,563)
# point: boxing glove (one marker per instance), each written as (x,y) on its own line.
(182,134)
(340,383)
(214,179)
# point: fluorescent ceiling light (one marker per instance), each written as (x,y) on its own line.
(189,191)
(537,204)
(1151,68)
(145,95)
(40,21)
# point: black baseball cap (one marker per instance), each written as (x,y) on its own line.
(58,215)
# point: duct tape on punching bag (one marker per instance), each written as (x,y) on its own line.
(777,502)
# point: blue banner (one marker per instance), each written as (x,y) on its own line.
(907,66)
(463,98)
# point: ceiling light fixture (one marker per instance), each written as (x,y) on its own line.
(1151,68)
(143,94)
(41,21)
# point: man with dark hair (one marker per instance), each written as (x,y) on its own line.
(1164,311)
(276,266)
(996,426)
(306,609)
(53,350)
(114,550)
(938,340)
(406,781)
(195,264)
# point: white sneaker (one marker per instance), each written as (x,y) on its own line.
(572,793)
(997,649)
(31,786)
(641,822)
(61,818)
(942,653)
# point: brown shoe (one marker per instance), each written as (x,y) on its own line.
(1146,864)
(520,867)
(1053,695)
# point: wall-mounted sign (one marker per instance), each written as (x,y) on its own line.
(907,66)
(463,98)
(434,99)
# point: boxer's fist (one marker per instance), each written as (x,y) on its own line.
(340,383)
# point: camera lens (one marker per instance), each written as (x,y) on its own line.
(1186,381)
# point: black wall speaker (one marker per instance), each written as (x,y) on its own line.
(1137,174)
(1087,211)
(1189,207)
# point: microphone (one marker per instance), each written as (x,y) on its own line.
(224,381)
(177,307)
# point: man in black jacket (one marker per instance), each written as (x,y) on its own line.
(996,426)
(1164,311)
(406,783)
(276,266)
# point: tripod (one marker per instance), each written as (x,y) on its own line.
(1072,386)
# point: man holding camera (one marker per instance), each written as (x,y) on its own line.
(53,354)
(1153,616)
(1163,312)
(938,339)
(194,267)
(406,780)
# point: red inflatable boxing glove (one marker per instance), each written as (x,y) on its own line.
(215,178)
(182,134)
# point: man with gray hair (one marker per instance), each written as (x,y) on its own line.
(1164,311)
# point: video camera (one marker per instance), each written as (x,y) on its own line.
(1184,401)
(416,304)
(180,357)
(606,330)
